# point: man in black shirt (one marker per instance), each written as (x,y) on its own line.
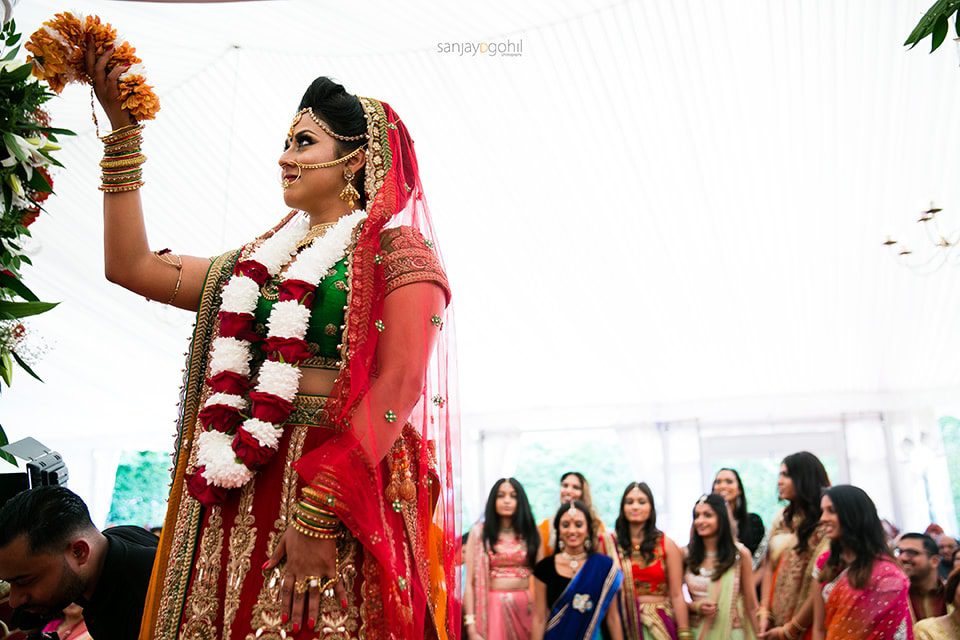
(52,555)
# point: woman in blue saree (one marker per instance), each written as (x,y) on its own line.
(575,586)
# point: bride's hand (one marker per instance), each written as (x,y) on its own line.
(311,569)
(106,85)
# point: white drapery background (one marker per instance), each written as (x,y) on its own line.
(661,210)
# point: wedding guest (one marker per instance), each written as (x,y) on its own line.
(651,602)
(920,560)
(946,627)
(719,576)
(573,486)
(947,546)
(794,544)
(863,591)
(500,555)
(575,587)
(747,527)
(52,556)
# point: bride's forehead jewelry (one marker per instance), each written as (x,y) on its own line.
(702,499)
(323,125)
(573,510)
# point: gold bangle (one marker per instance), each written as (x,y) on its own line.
(121,188)
(134,161)
(118,134)
(122,174)
(314,511)
(319,497)
(316,526)
(684,634)
(313,534)
(131,143)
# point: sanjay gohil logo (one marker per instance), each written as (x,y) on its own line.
(503,48)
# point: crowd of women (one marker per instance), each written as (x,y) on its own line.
(824,570)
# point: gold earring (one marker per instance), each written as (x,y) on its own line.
(349,194)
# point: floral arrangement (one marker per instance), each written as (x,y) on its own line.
(28,141)
(58,49)
(242,427)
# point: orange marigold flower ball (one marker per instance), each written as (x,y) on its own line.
(58,58)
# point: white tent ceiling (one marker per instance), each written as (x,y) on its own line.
(658,202)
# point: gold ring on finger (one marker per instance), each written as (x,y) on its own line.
(300,587)
(328,584)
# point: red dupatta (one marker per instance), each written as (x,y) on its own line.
(418,590)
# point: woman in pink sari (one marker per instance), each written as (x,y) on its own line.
(864,594)
(501,553)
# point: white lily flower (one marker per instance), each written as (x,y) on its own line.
(15,184)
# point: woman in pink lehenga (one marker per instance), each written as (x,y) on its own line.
(500,555)
(864,594)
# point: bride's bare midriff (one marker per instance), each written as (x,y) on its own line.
(317,382)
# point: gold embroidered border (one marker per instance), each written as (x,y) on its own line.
(266,612)
(243,537)
(202,602)
(184,521)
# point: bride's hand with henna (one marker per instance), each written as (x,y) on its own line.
(310,563)
(106,86)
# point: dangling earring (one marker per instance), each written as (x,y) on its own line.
(588,544)
(560,545)
(349,194)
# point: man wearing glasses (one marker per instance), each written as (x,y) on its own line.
(920,559)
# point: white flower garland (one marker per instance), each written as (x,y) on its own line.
(288,319)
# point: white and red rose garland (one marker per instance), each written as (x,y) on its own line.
(234,444)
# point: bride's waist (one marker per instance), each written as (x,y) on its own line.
(318,382)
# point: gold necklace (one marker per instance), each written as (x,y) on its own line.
(315,232)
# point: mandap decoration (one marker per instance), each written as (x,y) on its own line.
(28,142)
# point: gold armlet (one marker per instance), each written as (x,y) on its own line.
(175,261)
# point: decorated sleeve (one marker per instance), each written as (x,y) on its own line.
(407,258)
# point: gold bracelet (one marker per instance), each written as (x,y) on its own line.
(121,188)
(313,534)
(319,522)
(132,161)
(316,526)
(121,176)
(124,145)
(319,497)
(685,634)
(117,134)
(315,511)
(326,525)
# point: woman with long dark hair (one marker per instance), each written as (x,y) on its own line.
(794,544)
(500,555)
(864,594)
(747,527)
(651,602)
(573,486)
(575,587)
(719,576)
